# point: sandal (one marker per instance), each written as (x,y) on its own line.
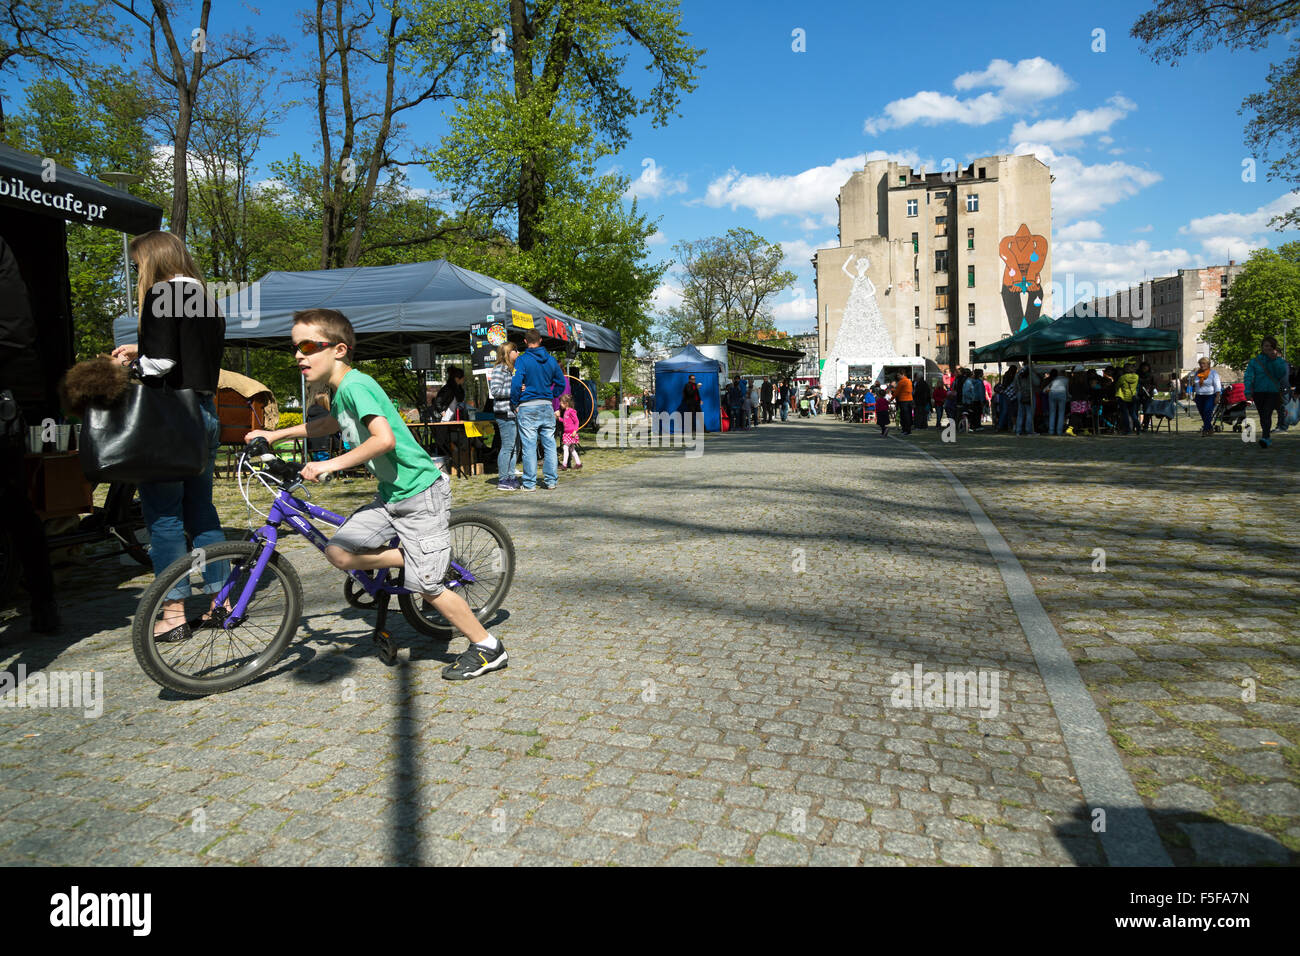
(180,632)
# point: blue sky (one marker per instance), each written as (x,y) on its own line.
(1147,158)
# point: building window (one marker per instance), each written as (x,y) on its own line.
(970,348)
(916,243)
(916,311)
(902,180)
(917,321)
(912,207)
(973,203)
(941,260)
(1200,316)
(970,313)
(918,349)
(941,331)
(970,277)
(941,298)
(970,238)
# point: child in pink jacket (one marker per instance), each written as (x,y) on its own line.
(569,416)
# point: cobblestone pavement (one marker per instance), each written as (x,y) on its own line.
(705,659)
(1169,564)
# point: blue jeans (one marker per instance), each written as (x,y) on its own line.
(506,456)
(1128,415)
(1057,406)
(1024,419)
(1004,411)
(174,508)
(534,418)
(785,410)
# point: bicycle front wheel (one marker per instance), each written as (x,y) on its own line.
(481,570)
(215,658)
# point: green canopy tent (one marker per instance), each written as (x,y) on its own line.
(1000,351)
(1078,335)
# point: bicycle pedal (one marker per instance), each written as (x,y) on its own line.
(387,647)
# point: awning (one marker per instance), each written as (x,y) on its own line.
(27,182)
(767,352)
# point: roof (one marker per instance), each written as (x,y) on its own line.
(37,186)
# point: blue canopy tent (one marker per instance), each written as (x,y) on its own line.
(395,307)
(670,379)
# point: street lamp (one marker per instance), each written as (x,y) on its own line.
(122,180)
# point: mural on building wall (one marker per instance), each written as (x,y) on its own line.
(862,333)
(1023,257)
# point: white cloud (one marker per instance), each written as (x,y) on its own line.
(1241,224)
(797,308)
(1219,249)
(798,252)
(809,194)
(1070,132)
(666,296)
(1083,229)
(1147,228)
(1018,86)
(654,183)
(1119,264)
(1024,82)
(656,238)
(1080,188)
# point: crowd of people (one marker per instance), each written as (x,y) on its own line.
(1072,401)
(750,402)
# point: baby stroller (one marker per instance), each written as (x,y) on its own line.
(805,408)
(1231,407)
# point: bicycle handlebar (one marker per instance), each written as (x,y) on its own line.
(289,475)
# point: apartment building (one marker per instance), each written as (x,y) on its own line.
(952,259)
(1186,302)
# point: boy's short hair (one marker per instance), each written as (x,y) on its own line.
(334,324)
(532,336)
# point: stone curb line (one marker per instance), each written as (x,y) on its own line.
(1129,837)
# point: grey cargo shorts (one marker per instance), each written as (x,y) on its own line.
(420,525)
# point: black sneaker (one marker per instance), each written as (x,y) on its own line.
(475,661)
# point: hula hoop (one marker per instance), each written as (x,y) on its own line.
(582,425)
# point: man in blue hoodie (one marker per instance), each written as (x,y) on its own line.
(538,381)
(1266,381)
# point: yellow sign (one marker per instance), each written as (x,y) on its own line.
(521,320)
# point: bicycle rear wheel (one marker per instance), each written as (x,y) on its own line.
(215,658)
(481,570)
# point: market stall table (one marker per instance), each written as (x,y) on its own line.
(464,463)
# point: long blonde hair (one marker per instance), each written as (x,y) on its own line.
(504,351)
(159,256)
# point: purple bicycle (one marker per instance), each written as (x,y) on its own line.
(243,600)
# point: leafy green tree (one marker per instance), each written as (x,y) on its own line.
(1174,28)
(728,284)
(1264,299)
(553,78)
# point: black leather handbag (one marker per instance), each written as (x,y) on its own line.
(153,433)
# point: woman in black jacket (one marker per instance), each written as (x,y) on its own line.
(181,335)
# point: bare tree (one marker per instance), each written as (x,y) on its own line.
(185,79)
(364,34)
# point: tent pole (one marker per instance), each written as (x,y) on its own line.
(304,417)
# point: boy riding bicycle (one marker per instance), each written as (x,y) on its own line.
(414,499)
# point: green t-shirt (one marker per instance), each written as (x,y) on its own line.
(407,469)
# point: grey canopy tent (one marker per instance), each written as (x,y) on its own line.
(395,307)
